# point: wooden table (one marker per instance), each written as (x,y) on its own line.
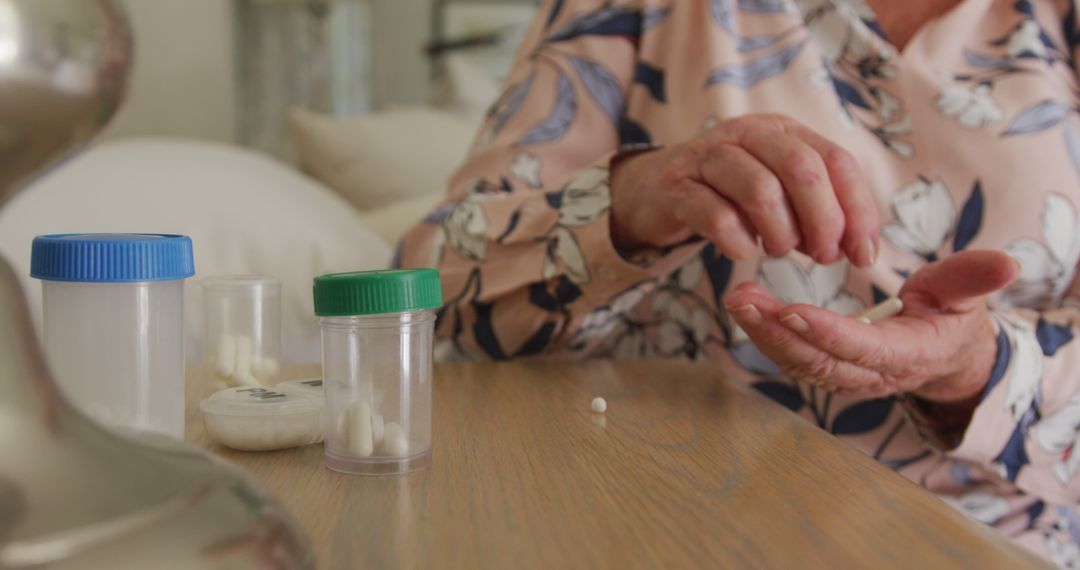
(684,471)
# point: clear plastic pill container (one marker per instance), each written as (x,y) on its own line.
(263,419)
(242,329)
(113,309)
(377,330)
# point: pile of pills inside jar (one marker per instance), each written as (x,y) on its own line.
(236,362)
(367,434)
(242,329)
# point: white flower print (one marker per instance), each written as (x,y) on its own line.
(563,248)
(465,228)
(585,198)
(1025,369)
(837,27)
(971,106)
(1047,267)
(1060,433)
(983,507)
(887,107)
(1064,553)
(607,320)
(1026,40)
(685,331)
(924,217)
(527,168)
(822,286)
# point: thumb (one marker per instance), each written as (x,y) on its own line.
(958,282)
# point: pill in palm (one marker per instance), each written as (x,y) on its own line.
(599,405)
(883,310)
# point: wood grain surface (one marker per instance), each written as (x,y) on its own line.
(685,470)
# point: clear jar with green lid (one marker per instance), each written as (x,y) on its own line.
(377,334)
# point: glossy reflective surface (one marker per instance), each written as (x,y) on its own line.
(73,494)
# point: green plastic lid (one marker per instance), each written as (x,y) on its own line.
(375,292)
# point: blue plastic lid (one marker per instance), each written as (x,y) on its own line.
(111,258)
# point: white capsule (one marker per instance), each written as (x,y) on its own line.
(599,405)
(395,441)
(883,310)
(377,428)
(244,371)
(226,356)
(266,369)
(361,438)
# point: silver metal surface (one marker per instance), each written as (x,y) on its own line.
(73,494)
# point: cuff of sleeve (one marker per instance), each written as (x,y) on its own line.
(611,271)
(996,430)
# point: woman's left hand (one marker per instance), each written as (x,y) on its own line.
(941,347)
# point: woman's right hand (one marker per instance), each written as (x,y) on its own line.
(759,175)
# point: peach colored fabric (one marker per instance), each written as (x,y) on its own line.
(969,138)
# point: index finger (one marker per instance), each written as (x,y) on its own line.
(860,241)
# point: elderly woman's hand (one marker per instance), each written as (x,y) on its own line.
(754,176)
(941,347)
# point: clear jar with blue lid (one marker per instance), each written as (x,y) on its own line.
(113,307)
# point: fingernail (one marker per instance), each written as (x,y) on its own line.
(796,323)
(747,313)
(866,253)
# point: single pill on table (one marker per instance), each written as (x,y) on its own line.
(883,310)
(599,405)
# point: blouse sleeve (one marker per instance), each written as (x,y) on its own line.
(1027,421)
(522,238)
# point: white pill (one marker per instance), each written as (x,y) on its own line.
(266,369)
(361,438)
(244,354)
(377,428)
(599,405)
(394,440)
(883,310)
(226,356)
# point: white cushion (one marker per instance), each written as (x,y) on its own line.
(375,160)
(245,213)
(392,221)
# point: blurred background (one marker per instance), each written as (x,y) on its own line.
(288,138)
(229,70)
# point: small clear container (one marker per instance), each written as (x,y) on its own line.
(113,307)
(242,329)
(377,330)
(263,419)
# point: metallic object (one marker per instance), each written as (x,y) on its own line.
(73,494)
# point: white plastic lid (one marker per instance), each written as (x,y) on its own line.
(247,401)
(313,386)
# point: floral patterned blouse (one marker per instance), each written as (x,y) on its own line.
(969,137)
